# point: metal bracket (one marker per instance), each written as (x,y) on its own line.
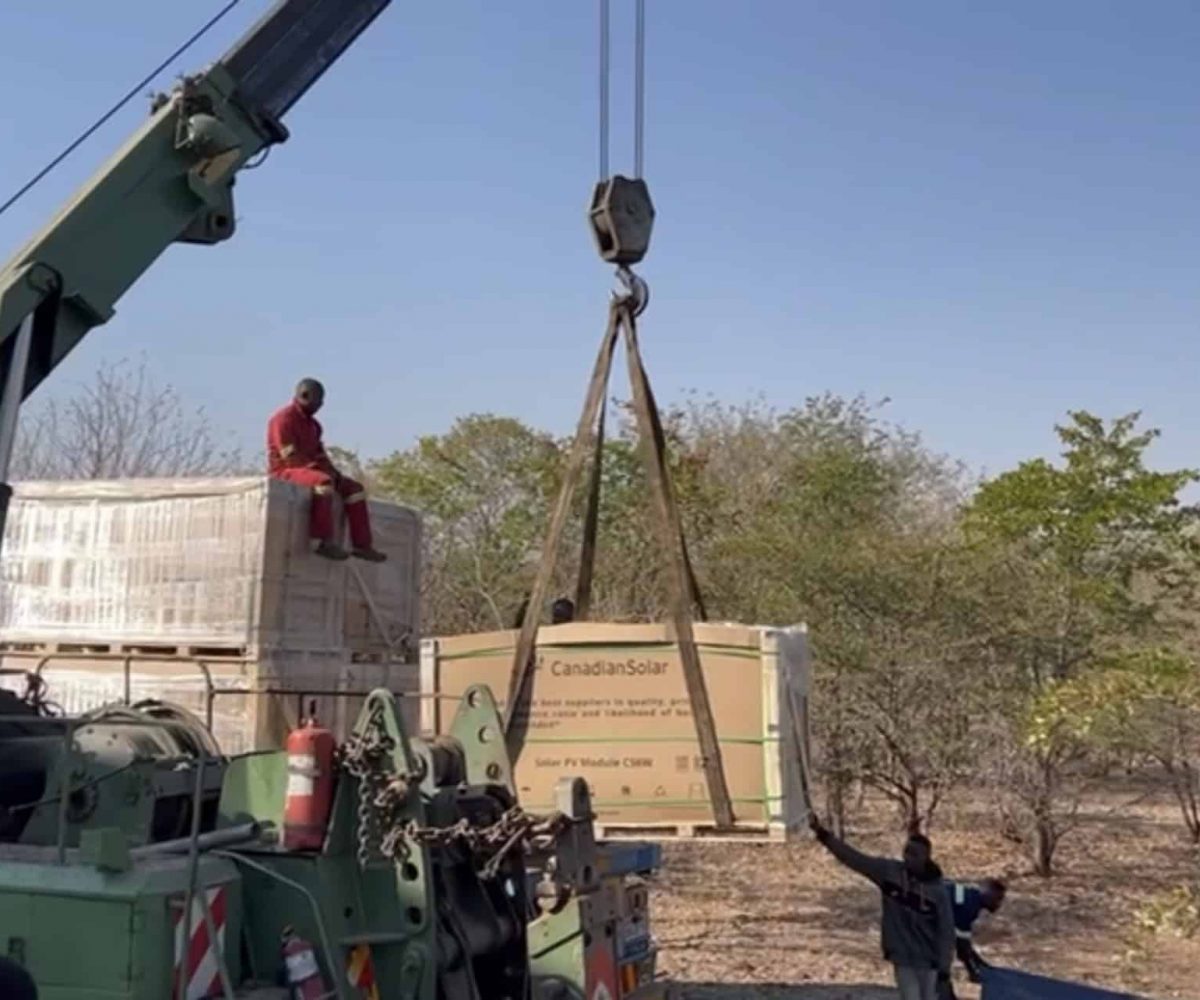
(201,133)
(478,728)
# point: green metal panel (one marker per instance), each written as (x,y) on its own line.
(352,905)
(478,728)
(556,947)
(386,904)
(90,935)
(254,789)
(97,934)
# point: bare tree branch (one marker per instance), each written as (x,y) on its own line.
(120,425)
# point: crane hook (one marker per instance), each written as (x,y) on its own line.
(635,290)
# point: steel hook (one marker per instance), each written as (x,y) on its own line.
(636,290)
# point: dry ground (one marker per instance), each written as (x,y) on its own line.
(785,922)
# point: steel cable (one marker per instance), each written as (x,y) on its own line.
(639,88)
(133,92)
(639,91)
(604,76)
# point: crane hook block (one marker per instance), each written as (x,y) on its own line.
(622,217)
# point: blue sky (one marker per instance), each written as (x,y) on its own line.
(984,211)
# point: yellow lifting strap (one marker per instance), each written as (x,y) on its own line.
(681,581)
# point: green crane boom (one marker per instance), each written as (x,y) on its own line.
(172,182)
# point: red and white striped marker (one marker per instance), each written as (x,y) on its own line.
(203,980)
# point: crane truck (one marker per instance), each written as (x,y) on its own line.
(138,862)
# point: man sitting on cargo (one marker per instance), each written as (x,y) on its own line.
(296,454)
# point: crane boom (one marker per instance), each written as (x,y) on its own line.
(171,182)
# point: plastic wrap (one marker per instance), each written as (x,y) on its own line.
(195,565)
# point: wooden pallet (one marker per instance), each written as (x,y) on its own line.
(158,651)
(707,832)
(182,651)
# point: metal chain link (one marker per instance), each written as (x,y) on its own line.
(382,794)
(363,756)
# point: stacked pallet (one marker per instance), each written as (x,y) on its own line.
(203,591)
(609,704)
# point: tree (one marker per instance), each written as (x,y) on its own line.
(827,514)
(628,581)
(1102,545)
(484,489)
(121,424)
(1082,561)
(1146,704)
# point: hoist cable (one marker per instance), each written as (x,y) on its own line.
(639,88)
(133,92)
(604,63)
(639,91)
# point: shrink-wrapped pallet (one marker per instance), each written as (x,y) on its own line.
(198,565)
(135,589)
(609,703)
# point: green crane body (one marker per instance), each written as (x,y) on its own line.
(124,832)
(93,884)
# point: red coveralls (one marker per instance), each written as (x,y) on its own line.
(295,454)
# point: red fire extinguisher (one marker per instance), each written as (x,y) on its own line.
(301,972)
(310,785)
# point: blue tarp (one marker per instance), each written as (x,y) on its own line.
(1007,984)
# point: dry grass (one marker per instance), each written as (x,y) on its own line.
(785,922)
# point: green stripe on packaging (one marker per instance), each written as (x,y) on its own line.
(740,652)
(605,740)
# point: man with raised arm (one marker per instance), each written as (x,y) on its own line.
(917,920)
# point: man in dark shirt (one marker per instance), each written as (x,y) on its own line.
(917,923)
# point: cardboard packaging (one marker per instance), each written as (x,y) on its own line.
(609,704)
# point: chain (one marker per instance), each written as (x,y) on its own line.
(379,796)
(489,844)
(382,795)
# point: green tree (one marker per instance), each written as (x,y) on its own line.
(484,489)
(1145,704)
(1080,561)
(827,514)
(629,584)
(1101,546)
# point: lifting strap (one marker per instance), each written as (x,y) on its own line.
(591,520)
(682,587)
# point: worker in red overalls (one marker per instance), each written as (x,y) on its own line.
(295,454)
